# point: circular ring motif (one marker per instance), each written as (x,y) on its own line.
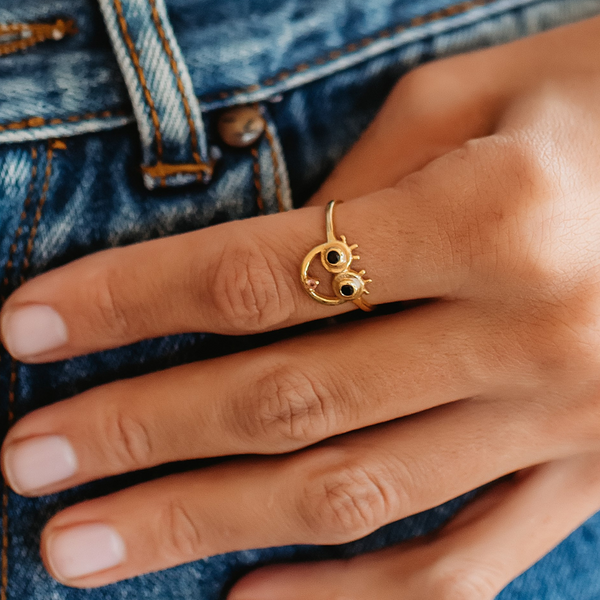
(336,257)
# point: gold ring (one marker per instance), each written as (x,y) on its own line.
(336,257)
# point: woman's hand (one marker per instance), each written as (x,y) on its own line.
(501,226)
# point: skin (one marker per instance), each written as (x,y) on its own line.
(477,186)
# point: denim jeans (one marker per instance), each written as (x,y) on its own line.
(108,136)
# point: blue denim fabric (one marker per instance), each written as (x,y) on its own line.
(72,114)
(165,105)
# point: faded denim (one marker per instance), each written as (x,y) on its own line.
(78,157)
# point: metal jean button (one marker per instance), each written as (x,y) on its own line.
(241,126)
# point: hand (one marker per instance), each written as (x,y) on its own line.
(500,226)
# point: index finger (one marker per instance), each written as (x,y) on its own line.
(235,278)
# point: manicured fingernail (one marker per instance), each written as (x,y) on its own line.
(32,330)
(86,549)
(39,462)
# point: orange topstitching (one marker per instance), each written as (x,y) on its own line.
(141,77)
(35,122)
(449,11)
(257,183)
(175,69)
(17,236)
(276,174)
(12,381)
(13,369)
(52,145)
(32,34)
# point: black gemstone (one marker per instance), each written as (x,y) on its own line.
(333,257)
(347,290)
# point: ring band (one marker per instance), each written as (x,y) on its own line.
(336,257)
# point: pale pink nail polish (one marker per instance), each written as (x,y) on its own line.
(85,549)
(33,330)
(39,462)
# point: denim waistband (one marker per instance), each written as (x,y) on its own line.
(167,65)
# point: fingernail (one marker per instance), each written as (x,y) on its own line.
(39,462)
(32,330)
(86,549)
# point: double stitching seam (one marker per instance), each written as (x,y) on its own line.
(141,77)
(449,11)
(37,122)
(33,34)
(40,208)
(13,248)
(13,369)
(257,184)
(175,69)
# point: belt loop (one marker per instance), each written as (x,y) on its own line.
(174,145)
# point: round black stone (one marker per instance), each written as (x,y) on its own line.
(347,290)
(333,257)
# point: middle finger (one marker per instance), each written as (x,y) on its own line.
(271,400)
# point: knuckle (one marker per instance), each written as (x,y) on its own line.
(588,466)
(250,289)
(464,582)
(415,97)
(418,85)
(502,224)
(112,311)
(347,502)
(547,111)
(415,83)
(127,439)
(530,163)
(293,409)
(564,335)
(435,91)
(411,98)
(180,533)
(507,166)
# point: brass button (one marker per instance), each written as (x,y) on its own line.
(241,126)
